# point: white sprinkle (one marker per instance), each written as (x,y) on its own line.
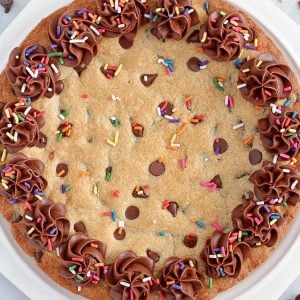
(30,231)
(27,110)
(293,186)
(98,20)
(94,29)
(7,113)
(16,136)
(226,22)
(242,85)
(121,224)
(115,98)
(79,40)
(237,126)
(175,145)
(203,67)
(168,117)
(212,256)
(258,244)
(28,218)
(260,202)
(275,158)
(88,274)
(220,255)
(30,72)
(23,88)
(9,125)
(158,111)
(91,15)
(53,67)
(116,4)
(280,200)
(50,90)
(154,221)
(119,10)
(147,279)
(148,16)
(10,136)
(121,25)
(190,11)
(79,288)
(286,170)
(226,100)
(57,251)
(125,283)
(36,73)
(145,78)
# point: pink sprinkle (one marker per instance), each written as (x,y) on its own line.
(65,21)
(182,163)
(256,220)
(277,122)
(211,185)
(223,251)
(234,234)
(216,226)
(213,20)
(231,102)
(236,28)
(235,19)
(283,155)
(43,60)
(267,93)
(232,239)
(28,78)
(293,142)
(273,201)
(249,215)
(49,245)
(96,277)
(39,219)
(131,295)
(287,89)
(169,72)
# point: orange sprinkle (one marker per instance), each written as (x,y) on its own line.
(194,120)
(137,188)
(258,107)
(65,129)
(83,174)
(189,98)
(171,147)
(94,18)
(182,129)
(61,173)
(199,49)
(76,25)
(220,79)
(170,282)
(160,160)
(99,265)
(120,230)
(230,248)
(94,245)
(69,132)
(248,140)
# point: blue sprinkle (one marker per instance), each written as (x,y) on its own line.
(113,216)
(294,114)
(274,217)
(162,233)
(200,224)
(287,102)
(206,6)
(222,273)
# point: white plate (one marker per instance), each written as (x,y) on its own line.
(268,281)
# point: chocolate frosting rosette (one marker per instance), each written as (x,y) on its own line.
(32,74)
(82,260)
(223,255)
(20,126)
(276,184)
(224,35)
(74,36)
(263,80)
(122,19)
(46,226)
(257,224)
(173,18)
(279,131)
(180,278)
(22,179)
(130,277)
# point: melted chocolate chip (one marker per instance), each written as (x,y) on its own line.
(157,168)
(173,208)
(59,87)
(220,146)
(190,241)
(218,181)
(38,255)
(120,234)
(7,4)
(139,192)
(153,255)
(137,129)
(132,212)
(248,195)
(42,141)
(79,227)
(194,37)
(62,167)
(166,108)
(125,43)
(16,219)
(194,64)
(148,79)
(255,156)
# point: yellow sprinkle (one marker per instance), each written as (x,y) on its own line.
(222,13)
(273,222)
(282,130)
(95,190)
(246,70)
(30,231)
(204,37)
(259,63)
(173,138)
(234,23)
(240,234)
(256,42)
(292,130)
(117,137)
(16,119)
(57,132)
(111,143)
(182,129)
(105,67)
(118,70)
(5,186)
(62,172)
(10,136)
(177,10)
(172,148)
(4,181)
(112,3)
(248,57)
(7,113)
(38,197)
(191,264)
(3,156)
(241,53)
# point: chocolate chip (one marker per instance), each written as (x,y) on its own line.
(194,64)
(137,129)
(220,146)
(132,212)
(148,79)
(59,86)
(218,181)
(255,156)
(157,168)
(194,37)
(139,192)
(42,141)
(7,4)
(120,234)
(173,208)
(166,108)
(38,255)
(297,297)
(125,43)
(79,227)
(248,195)
(16,219)
(153,255)
(190,240)
(62,169)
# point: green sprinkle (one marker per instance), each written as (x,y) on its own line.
(61,61)
(72,267)
(155,18)
(245,233)
(292,136)
(21,118)
(285,204)
(53,54)
(107,176)
(60,136)
(210,283)
(64,113)
(79,277)
(217,84)
(68,188)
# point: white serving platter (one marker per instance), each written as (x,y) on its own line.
(268,281)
